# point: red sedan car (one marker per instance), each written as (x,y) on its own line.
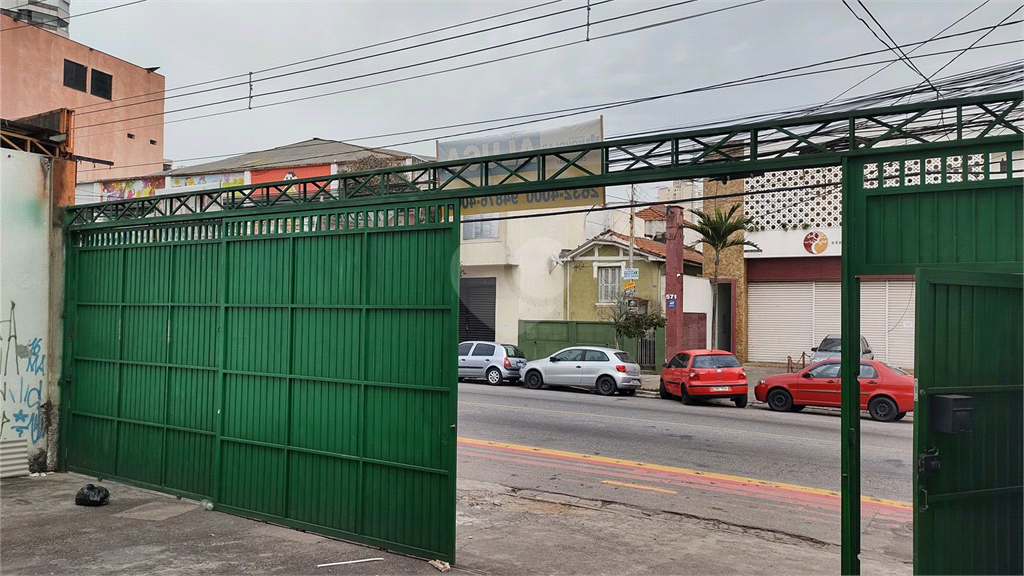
(887,393)
(703,375)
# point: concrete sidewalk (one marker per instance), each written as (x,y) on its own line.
(500,531)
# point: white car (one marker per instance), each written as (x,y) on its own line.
(490,361)
(605,369)
(830,349)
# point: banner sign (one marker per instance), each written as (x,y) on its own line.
(527,141)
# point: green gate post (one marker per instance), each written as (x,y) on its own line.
(850,400)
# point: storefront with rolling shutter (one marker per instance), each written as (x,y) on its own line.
(789,318)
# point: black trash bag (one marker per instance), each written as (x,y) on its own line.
(91,495)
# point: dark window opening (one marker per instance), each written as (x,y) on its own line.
(131,136)
(102,84)
(74,75)
(153,142)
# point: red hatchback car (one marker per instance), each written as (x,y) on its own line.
(703,375)
(887,393)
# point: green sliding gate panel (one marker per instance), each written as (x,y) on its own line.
(968,515)
(294,368)
(953,215)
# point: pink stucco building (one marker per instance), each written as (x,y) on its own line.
(42,71)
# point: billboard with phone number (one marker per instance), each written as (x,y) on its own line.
(586,132)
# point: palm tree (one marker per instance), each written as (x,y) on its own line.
(718,230)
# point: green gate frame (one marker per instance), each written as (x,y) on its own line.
(282,367)
(847,138)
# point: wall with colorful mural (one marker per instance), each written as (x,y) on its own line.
(127,189)
(26,363)
(199,181)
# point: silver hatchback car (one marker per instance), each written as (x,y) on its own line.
(605,369)
(490,361)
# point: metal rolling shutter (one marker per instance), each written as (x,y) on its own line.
(476,308)
(780,320)
(828,311)
(874,305)
(900,322)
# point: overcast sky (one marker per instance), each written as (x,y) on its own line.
(207,40)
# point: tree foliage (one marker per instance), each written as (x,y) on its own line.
(630,320)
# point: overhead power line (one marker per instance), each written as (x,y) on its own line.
(433,60)
(588,108)
(895,46)
(1004,75)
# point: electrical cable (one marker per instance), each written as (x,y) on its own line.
(1010,15)
(343,52)
(880,70)
(894,48)
(623,102)
(1012,66)
(406,66)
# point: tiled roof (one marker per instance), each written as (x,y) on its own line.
(653,247)
(654,213)
(312,152)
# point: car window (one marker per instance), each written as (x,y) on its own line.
(625,357)
(570,355)
(863,344)
(513,352)
(595,356)
(831,345)
(826,370)
(716,361)
(679,361)
(899,371)
(483,350)
(867,371)
(464,348)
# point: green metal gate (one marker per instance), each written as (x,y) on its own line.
(968,424)
(952,214)
(289,367)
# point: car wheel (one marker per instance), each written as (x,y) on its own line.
(606,386)
(630,392)
(684,396)
(899,416)
(493,376)
(662,392)
(740,401)
(780,400)
(882,409)
(534,380)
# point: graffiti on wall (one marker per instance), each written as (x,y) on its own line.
(127,189)
(22,371)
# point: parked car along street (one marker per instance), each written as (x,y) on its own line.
(886,392)
(490,361)
(605,369)
(831,347)
(702,375)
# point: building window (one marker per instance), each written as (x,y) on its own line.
(472,230)
(74,75)
(607,284)
(101,84)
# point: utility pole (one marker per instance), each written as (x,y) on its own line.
(632,201)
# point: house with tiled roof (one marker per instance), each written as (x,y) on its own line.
(595,273)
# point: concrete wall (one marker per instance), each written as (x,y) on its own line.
(31,288)
(32,82)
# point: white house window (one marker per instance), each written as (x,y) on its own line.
(608,283)
(472,230)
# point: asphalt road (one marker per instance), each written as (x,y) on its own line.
(750,468)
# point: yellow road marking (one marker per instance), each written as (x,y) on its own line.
(653,489)
(683,424)
(675,470)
